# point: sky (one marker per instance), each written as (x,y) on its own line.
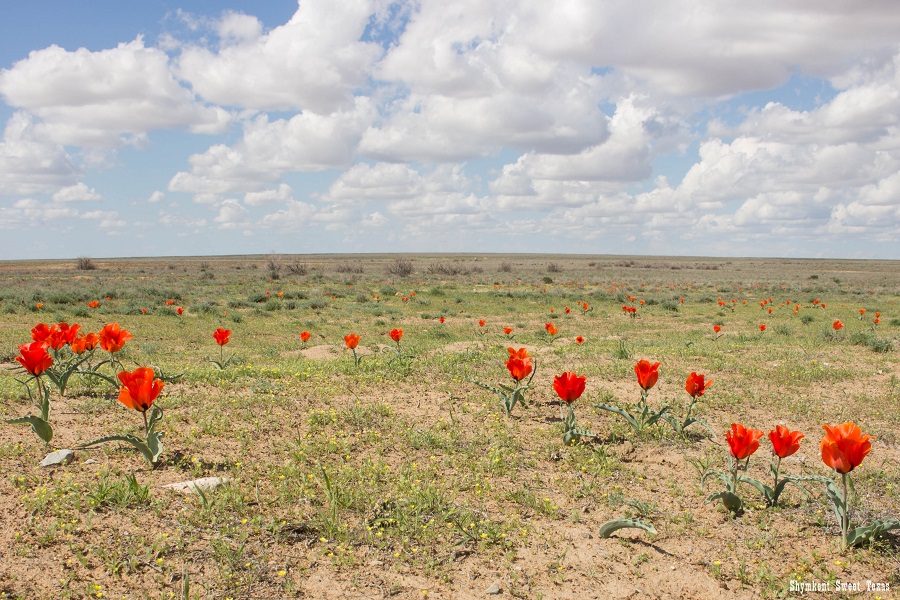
(664,127)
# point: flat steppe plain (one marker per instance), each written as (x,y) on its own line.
(401,478)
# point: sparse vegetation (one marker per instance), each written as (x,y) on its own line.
(400,475)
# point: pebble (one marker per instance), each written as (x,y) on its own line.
(494,589)
(204,484)
(60,457)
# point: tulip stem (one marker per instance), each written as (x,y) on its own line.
(146,425)
(845,521)
(777,471)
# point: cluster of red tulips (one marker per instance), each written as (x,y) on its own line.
(46,356)
(843,448)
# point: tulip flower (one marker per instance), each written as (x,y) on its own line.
(34,358)
(843,449)
(351,340)
(696,385)
(579,340)
(304,336)
(507,330)
(569,386)
(552,330)
(179,310)
(41,332)
(396,335)
(762,326)
(93,304)
(837,325)
(222,337)
(519,368)
(113,338)
(717,328)
(647,374)
(139,389)
(784,441)
(742,442)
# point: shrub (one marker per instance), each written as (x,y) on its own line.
(554,268)
(298,269)
(83,263)
(401,267)
(505,267)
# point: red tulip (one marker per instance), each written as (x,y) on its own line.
(519,368)
(569,386)
(304,336)
(352,340)
(113,338)
(844,446)
(579,340)
(139,388)
(441,319)
(93,304)
(551,329)
(34,358)
(170,302)
(762,326)
(221,336)
(742,442)
(179,310)
(837,325)
(647,373)
(90,341)
(520,353)
(41,332)
(78,344)
(717,328)
(696,385)
(396,334)
(784,441)
(481,323)
(507,330)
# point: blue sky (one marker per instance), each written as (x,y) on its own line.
(681,127)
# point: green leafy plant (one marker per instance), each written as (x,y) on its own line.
(35,359)
(639,415)
(520,365)
(843,449)
(140,389)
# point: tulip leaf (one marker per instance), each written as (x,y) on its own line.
(40,427)
(155,415)
(151,449)
(621,412)
(870,533)
(610,527)
(730,500)
(837,500)
(691,420)
(763,489)
(709,473)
